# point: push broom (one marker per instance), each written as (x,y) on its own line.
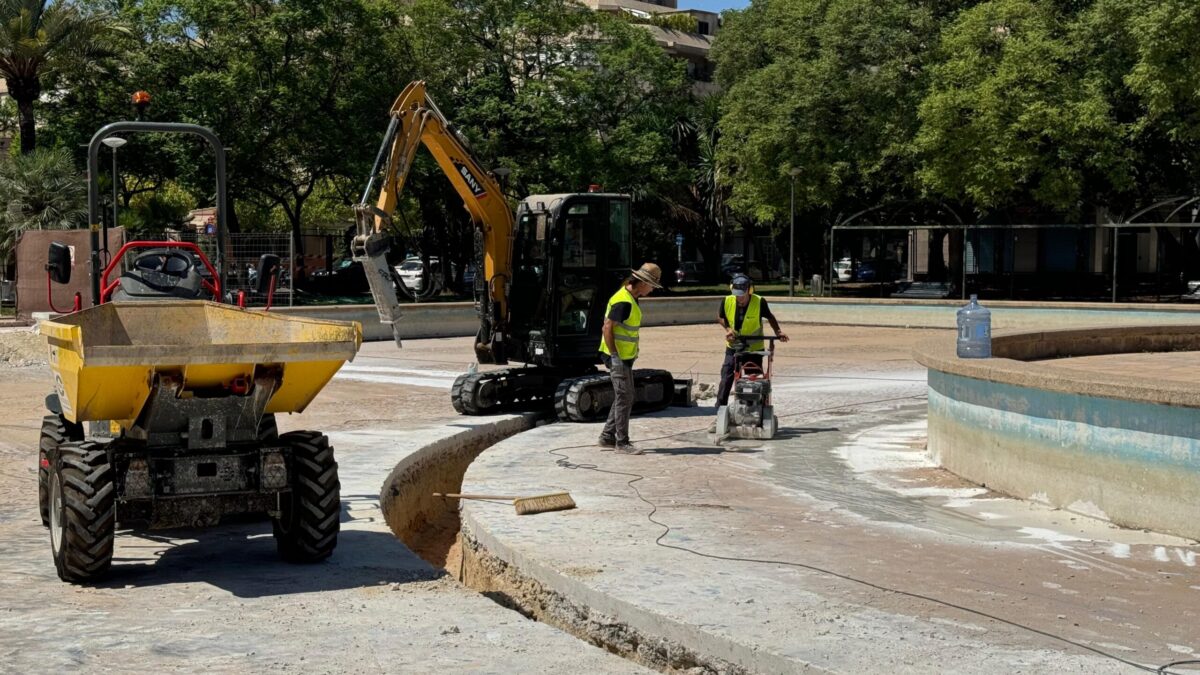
(555,501)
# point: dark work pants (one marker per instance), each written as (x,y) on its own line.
(733,362)
(617,426)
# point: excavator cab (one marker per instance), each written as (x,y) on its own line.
(570,252)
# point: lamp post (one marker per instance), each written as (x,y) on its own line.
(113,142)
(792,238)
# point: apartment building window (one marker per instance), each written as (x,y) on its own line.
(704,28)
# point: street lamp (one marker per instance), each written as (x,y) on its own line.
(792,238)
(113,142)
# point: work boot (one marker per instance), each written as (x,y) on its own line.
(628,448)
(606,442)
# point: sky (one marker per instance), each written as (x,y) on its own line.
(713,5)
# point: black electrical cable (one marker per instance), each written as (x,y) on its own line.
(1162,670)
(565,462)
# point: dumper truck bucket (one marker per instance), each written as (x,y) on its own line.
(104,358)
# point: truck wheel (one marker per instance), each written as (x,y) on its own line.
(56,430)
(307,527)
(82,510)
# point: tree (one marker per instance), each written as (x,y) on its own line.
(40,39)
(1018,114)
(829,87)
(39,191)
(295,89)
(560,95)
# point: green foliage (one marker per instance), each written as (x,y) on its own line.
(150,213)
(829,87)
(1014,112)
(42,191)
(40,40)
(38,191)
(670,21)
(297,90)
(561,96)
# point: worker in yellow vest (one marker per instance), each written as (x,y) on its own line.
(741,315)
(619,349)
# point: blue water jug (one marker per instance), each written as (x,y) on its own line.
(974,331)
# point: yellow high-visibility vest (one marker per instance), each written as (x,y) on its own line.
(625,335)
(751,324)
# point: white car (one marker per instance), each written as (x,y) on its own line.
(411,273)
(843,270)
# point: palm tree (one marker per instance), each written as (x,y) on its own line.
(40,191)
(39,39)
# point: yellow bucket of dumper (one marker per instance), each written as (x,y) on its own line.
(105,358)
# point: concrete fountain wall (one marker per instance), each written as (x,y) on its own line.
(1126,447)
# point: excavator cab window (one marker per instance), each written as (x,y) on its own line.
(618,235)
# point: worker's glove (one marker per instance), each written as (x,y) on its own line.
(617,368)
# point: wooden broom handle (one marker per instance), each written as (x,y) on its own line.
(458,496)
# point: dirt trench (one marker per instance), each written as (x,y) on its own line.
(431,527)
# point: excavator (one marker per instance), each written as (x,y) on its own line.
(545,274)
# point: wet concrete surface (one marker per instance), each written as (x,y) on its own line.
(855,549)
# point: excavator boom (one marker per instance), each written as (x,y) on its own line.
(415,121)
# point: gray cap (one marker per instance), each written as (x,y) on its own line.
(740,285)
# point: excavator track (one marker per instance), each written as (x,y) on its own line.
(584,398)
(588,398)
(507,389)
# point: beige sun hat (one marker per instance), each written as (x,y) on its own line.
(649,273)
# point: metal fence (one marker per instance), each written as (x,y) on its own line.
(241,263)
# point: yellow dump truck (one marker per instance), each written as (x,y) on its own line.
(164,402)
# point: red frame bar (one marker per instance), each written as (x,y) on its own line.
(106,288)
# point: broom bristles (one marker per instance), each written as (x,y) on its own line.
(555,501)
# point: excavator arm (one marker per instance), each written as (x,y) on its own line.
(415,121)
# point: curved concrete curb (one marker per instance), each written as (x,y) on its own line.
(644,636)
(406,498)
(1126,448)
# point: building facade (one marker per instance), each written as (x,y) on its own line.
(686,34)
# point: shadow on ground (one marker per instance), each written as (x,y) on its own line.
(240,557)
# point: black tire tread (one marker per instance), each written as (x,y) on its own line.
(56,430)
(89,510)
(313,517)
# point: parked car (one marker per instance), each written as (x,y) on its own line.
(345,278)
(732,264)
(412,275)
(877,270)
(843,270)
(689,273)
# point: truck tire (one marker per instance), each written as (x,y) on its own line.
(307,527)
(82,510)
(56,430)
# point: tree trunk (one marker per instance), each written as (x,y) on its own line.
(294,216)
(27,124)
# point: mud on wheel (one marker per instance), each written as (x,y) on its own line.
(307,527)
(56,430)
(82,510)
